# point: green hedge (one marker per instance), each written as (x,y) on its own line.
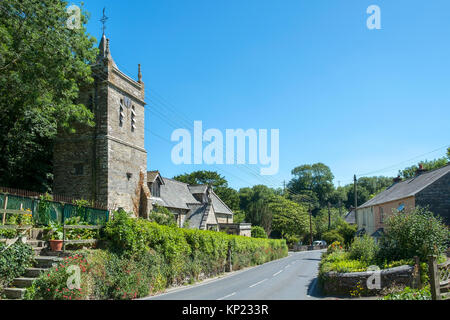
(188,252)
(144,258)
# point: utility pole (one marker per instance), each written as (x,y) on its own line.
(356,197)
(310,225)
(329,216)
(284,186)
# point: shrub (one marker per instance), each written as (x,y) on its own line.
(332,236)
(347,232)
(419,233)
(14,261)
(53,284)
(258,232)
(162,216)
(410,294)
(364,249)
(335,246)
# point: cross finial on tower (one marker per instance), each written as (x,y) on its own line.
(103,20)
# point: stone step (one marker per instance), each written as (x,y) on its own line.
(45,261)
(37,243)
(14,293)
(34,272)
(23,282)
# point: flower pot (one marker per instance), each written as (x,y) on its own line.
(56,245)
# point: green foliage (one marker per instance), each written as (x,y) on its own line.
(255,203)
(38,87)
(8,233)
(239,217)
(410,294)
(419,233)
(364,249)
(258,232)
(339,261)
(54,231)
(44,209)
(52,284)
(317,178)
(410,172)
(162,216)
(187,253)
(289,218)
(14,261)
(332,236)
(348,232)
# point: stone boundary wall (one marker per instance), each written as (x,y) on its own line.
(333,283)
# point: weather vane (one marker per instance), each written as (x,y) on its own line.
(103,20)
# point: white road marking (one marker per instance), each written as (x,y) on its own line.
(258,283)
(230,295)
(278,273)
(287,266)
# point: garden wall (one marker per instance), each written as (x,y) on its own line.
(297,248)
(334,283)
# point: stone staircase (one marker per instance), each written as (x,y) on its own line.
(43,260)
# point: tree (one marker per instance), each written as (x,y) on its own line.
(162,216)
(254,202)
(410,172)
(229,196)
(42,66)
(203,177)
(289,218)
(258,232)
(317,178)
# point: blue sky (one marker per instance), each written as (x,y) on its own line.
(355,99)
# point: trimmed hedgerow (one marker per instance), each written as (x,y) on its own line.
(144,258)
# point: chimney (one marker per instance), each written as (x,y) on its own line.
(420,170)
(398,179)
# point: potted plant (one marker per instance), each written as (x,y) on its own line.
(54,235)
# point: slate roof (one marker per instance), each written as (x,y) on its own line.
(219,206)
(179,195)
(195,215)
(176,194)
(350,217)
(407,188)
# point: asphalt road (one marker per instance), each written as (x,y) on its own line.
(291,278)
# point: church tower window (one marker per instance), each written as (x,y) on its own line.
(121,113)
(133,119)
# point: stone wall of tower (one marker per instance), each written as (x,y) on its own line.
(127,156)
(113,156)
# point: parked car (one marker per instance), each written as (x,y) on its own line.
(319,243)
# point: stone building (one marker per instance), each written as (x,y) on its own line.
(107,163)
(427,189)
(195,207)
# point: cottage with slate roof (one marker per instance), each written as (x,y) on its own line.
(427,189)
(195,207)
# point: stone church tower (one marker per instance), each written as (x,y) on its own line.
(108,162)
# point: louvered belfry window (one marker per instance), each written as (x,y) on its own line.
(121,113)
(133,119)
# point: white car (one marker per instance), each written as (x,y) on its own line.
(319,243)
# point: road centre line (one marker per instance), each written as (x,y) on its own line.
(278,273)
(230,295)
(258,283)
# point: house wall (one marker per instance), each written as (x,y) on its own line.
(437,198)
(224,218)
(389,208)
(366,220)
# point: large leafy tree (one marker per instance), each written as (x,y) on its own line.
(289,218)
(317,178)
(43,63)
(254,202)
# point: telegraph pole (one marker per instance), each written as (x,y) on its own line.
(329,216)
(310,225)
(356,197)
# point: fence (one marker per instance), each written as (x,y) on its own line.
(43,211)
(439,278)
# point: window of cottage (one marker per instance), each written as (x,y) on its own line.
(381,215)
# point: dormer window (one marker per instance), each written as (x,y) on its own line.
(155,189)
(133,119)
